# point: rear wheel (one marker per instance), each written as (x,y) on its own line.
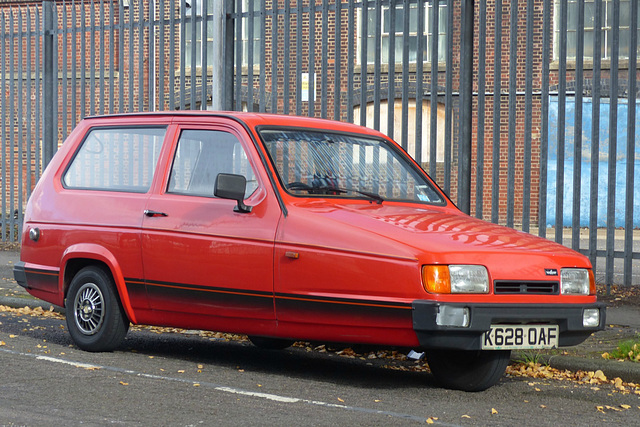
(468,370)
(270,343)
(95,317)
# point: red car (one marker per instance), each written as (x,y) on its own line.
(286,228)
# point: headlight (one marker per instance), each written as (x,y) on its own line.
(455,279)
(577,281)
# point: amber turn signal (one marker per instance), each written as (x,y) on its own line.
(436,279)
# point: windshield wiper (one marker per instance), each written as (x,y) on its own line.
(331,188)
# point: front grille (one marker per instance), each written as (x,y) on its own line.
(530,288)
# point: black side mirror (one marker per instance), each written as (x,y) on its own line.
(229,186)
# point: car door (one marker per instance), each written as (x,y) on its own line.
(205,265)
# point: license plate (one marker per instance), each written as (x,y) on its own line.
(516,337)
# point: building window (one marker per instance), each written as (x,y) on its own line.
(425,143)
(411,39)
(251,21)
(194,47)
(589,28)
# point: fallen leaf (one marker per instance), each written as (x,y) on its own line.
(341,400)
(2,343)
(465,416)
(12,336)
(429,421)
(543,406)
(181,371)
(196,385)
(600,409)
(625,406)
(493,411)
(123,383)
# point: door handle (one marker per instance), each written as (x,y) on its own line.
(152,214)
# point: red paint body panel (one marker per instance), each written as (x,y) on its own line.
(317,268)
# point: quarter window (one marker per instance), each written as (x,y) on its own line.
(116,159)
(202,155)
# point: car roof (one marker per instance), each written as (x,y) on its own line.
(250,119)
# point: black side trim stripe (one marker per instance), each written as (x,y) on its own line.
(345,301)
(42,272)
(187,287)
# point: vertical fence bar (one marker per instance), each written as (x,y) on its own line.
(311,89)
(631,131)
(544,120)
(562,104)
(324,99)
(350,54)
(48,70)
(102,50)
(577,138)
(19,121)
(83,60)
(162,55)
(466,106)
(140,25)
(92,61)
(405,74)
(249,21)
(64,65)
(377,64)
(448,100)
(112,38)
(172,55)
(419,81)
(263,58)
(39,100)
(274,57)
(11,121)
(121,71)
(286,99)
(391,95)
(298,76)
(204,50)
(433,99)
(183,66)
(29,140)
(4,220)
(511,144)
(497,94)
(528,119)
(337,59)
(613,143)
(482,42)
(364,20)
(595,133)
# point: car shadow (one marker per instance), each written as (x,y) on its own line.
(297,362)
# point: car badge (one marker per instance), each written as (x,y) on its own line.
(550,271)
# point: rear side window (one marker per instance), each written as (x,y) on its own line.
(202,155)
(116,159)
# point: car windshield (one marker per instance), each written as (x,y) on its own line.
(312,162)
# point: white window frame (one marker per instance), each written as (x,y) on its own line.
(427,35)
(589,24)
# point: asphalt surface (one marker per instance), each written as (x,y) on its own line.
(623,322)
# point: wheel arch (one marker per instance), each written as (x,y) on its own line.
(76,257)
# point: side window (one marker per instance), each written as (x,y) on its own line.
(203,154)
(116,159)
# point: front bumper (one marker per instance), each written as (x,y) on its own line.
(568,317)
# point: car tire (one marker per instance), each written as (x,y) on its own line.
(270,343)
(468,370)
(95,316)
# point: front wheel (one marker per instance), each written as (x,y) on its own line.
(468,370)
(95,317)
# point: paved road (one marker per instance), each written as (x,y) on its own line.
(176,379)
